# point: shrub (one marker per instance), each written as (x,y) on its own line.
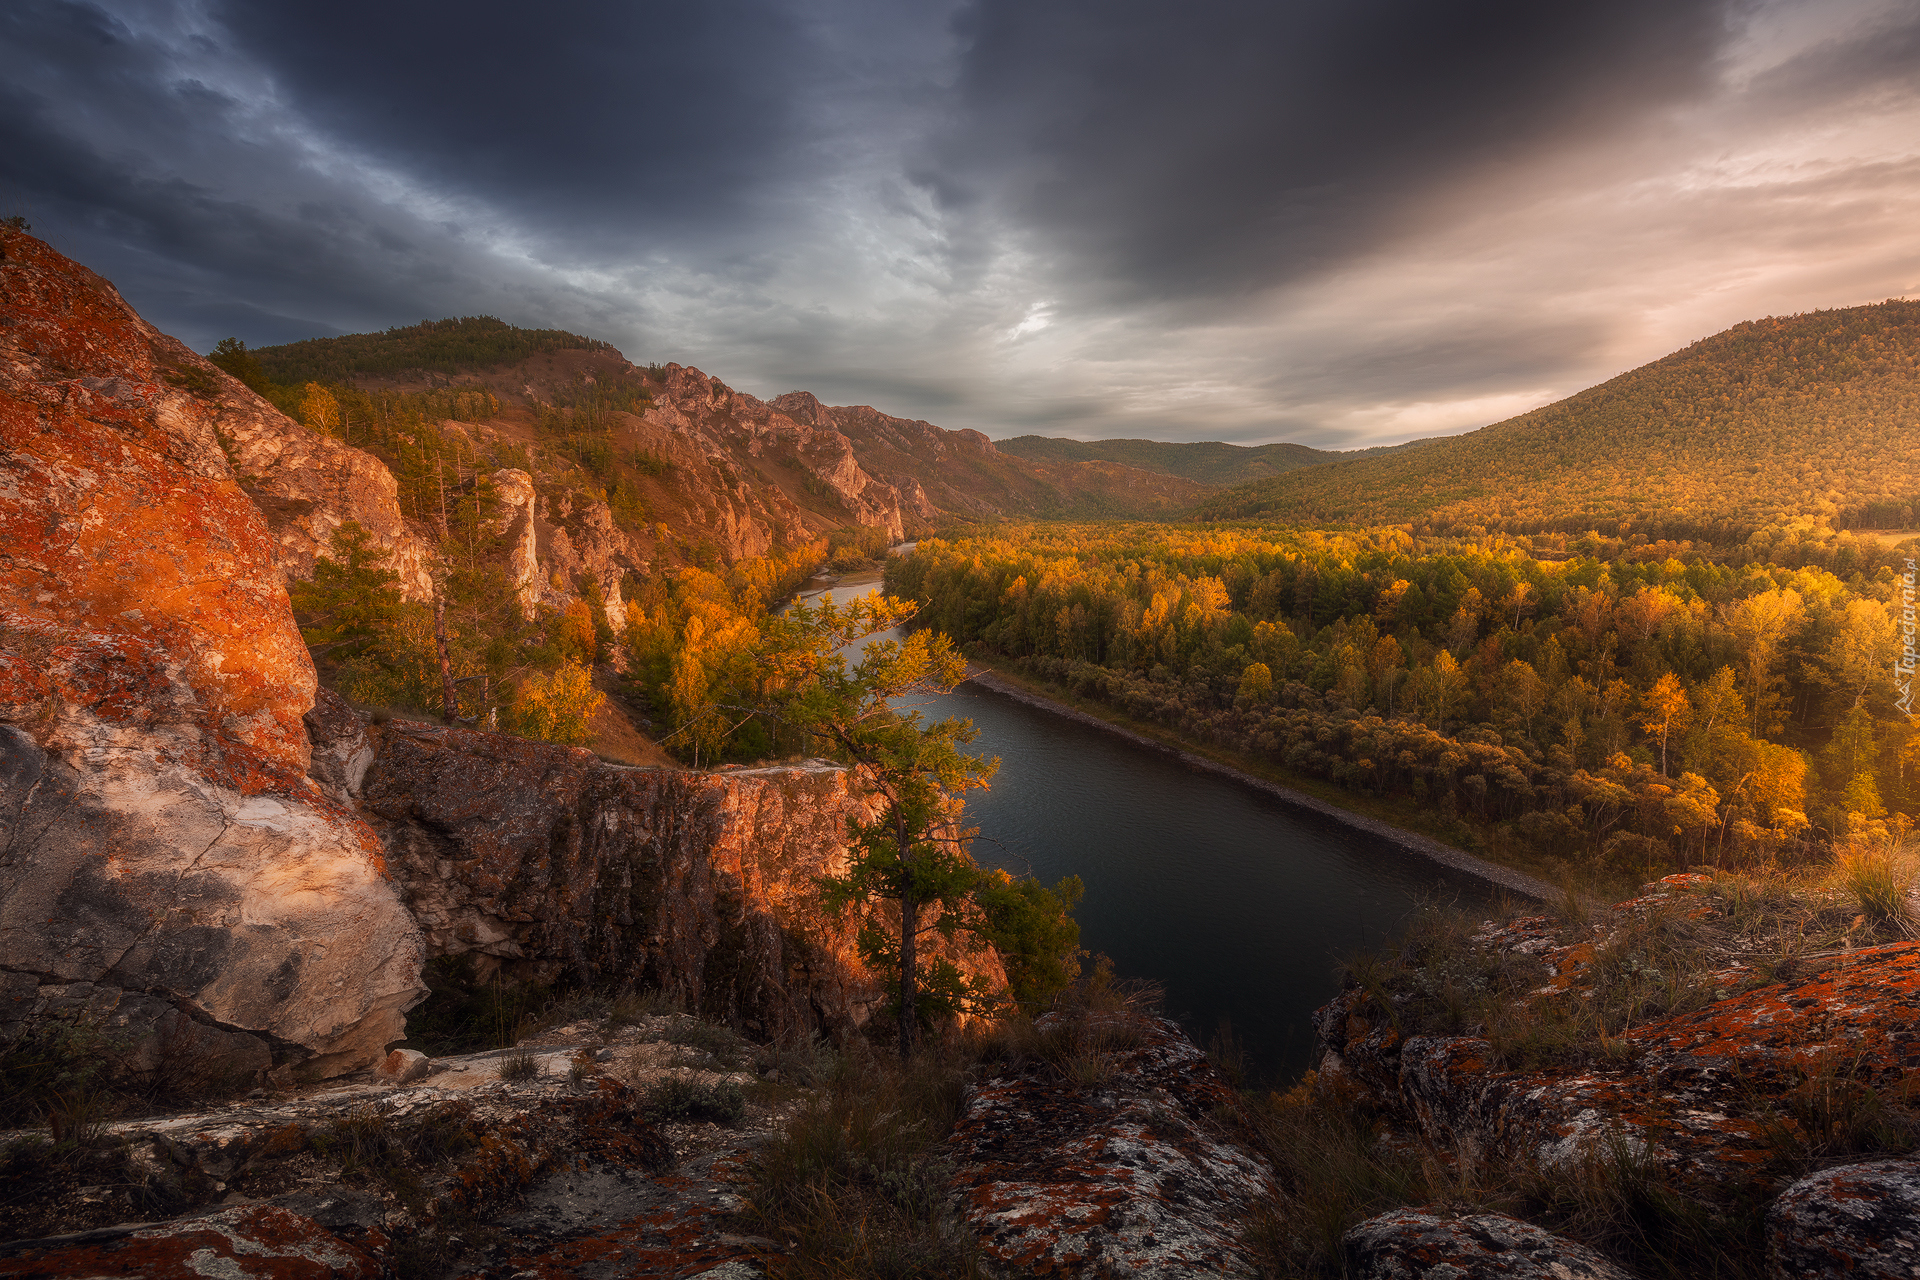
(519,1065)
(708,1038)
(1882,887)
(675,1098)
(857,1181)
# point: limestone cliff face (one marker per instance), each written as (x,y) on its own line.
(307,485)
(519,505)
(552,864)
(158,835)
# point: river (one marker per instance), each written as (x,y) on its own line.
(1239,904)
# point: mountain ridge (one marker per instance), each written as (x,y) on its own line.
(1212,462)
(1765,424)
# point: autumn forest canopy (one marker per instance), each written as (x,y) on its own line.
(1653,625)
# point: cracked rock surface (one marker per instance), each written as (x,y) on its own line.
(165,863)
(466,1173)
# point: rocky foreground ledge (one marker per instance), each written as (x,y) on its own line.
(557,1158)
(1723,1107)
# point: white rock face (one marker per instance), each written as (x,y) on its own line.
(307,485)
(169,872)
(263,914)
(517,502)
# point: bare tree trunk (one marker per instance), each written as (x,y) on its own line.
(909,926)
(909,935)
(451,699)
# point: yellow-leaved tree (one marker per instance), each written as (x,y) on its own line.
(319,409)
(556,706)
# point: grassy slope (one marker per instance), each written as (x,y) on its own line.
(1771,421)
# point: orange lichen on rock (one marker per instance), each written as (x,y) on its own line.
(1713,1094)
(121,518)
(168,855)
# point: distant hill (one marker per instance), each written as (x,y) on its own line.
(432,346)
(1209,462)
(1773,420)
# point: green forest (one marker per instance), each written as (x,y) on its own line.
(1209,462)
(432,346)
(1770,426)
(1614,711)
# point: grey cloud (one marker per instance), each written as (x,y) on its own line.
(1248,221)
(595,120)
(1158,150)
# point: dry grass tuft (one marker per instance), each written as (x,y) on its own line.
(519,1065)
(856,1185)
(1881,881)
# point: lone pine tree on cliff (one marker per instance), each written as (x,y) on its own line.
(912,853)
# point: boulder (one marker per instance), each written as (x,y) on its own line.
(342,748)
(1859,1221)
(1421,1244)
(403,1066)
(161,836)
(1111,1164)
(251,1240)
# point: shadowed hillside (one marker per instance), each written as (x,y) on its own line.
(1786,419)
(1208,462)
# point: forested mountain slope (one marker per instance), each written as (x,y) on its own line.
(1207,462)
(791,465)
(1773,422)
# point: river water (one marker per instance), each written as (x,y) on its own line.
(1237,903)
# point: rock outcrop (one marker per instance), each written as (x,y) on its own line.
(1859,1221)
(252,1240)
(307,485)
(1724,1103)
(557,1174)
(519,507)
(1108,1161)
(553,864)
(1707,1094)
(162,853)
(1421,1244)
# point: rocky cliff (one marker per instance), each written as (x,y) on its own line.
(167,867)
(726,474)
(185,838)
(550,864)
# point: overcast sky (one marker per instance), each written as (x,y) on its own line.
(1341,224)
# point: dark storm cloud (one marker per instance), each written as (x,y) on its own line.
(1217,219)
(598,120)
(1164,150)
(157,180)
